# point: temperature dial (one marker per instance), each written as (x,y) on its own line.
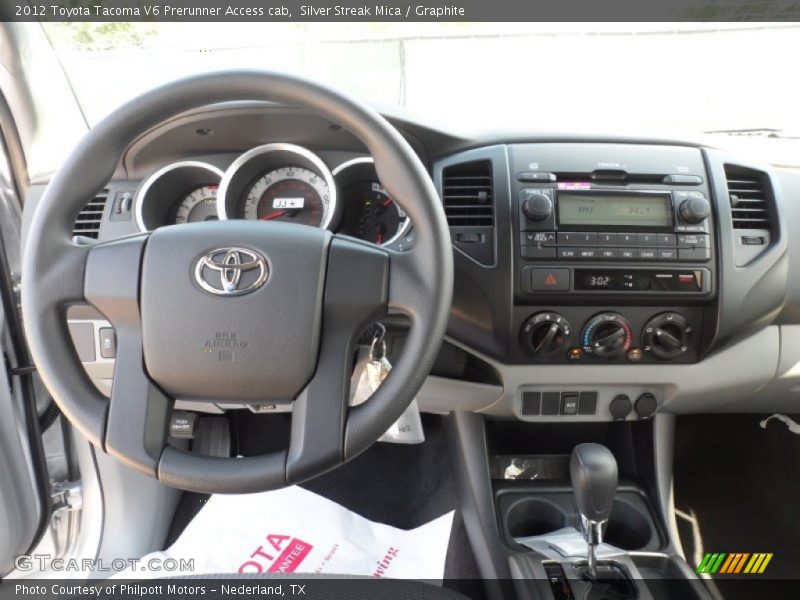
(545,333)
(607,335)
(666,336)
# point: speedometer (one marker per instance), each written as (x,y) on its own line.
(279,182)
(293,194)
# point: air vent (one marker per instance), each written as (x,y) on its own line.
(748,191)
(88,222)
(467,194)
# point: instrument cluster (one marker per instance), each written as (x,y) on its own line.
(275,182)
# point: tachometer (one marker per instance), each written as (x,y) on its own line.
(180,192)
(198,205)
(293,194)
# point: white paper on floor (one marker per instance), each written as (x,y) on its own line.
(296,531)
(567,541)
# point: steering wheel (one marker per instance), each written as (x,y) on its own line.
(234,311)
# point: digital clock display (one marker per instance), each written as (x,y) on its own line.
(598,281)
(601,209)
(639,280)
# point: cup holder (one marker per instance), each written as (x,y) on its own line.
(533,516)
(628,528)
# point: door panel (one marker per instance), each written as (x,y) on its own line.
(20,506)
(24,494)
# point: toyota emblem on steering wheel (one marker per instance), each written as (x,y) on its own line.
(231,271)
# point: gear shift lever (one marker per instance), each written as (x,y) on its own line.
(593,471)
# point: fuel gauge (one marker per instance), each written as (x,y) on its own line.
(370,213)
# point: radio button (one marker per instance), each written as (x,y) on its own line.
(588,253)
(648,254)
(577,239)
(694,254)
(628,254)
(608,254)
(667,239)
(692,240)
(535,177)
(627,239)
(607,239)
(541,238)
(646,239)
(567,252)
(566,238)
(538,252)
(683,179)
(667,254)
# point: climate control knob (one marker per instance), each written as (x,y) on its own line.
(545,333)
(607,335)
(666,336)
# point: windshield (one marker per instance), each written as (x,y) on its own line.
(667,79)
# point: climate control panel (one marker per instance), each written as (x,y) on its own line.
(628,335)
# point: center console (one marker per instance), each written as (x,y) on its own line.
(570,511)
(605,284)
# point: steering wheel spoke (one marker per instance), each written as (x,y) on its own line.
(405,284)
(356,292)
(64,274)
(138,413)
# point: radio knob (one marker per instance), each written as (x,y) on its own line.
(537,207)
(694,210)
(666,336)
(607,335)
(545,333)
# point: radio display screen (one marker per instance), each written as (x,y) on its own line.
(610,209)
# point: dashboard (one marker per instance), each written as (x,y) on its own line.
(271,182)
(596,278)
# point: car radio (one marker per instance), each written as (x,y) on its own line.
(648,241)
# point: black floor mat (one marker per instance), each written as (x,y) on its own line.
(742,484)
(400,485)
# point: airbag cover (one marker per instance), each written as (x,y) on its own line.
(253,340)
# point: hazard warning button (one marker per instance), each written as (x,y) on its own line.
(550,280)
